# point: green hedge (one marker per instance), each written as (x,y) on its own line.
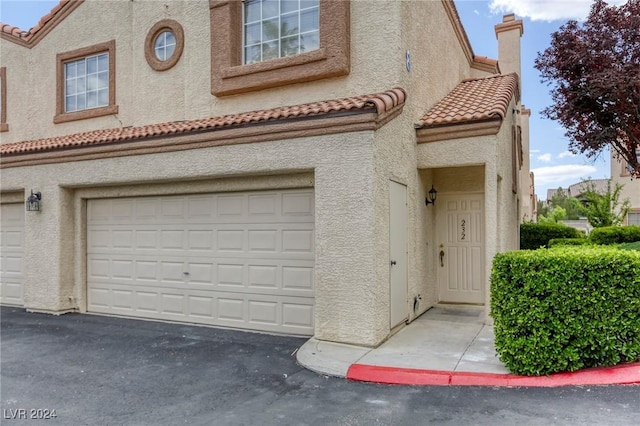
(615,234)
(536,235)
(561,242)
(566,309)
(630,246)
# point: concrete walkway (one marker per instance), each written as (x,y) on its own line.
(447,345)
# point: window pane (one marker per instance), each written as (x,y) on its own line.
(309,20)
(81,85)
(92,82)
(103,97)
(160,53)
(170,39)
(70,69)
(81,102)
(70,104)
(270,30)
(92,65)
(309,41)
(252,34)
(92,99)
(252,10)
(103,80)
(289,25)
(103,62)
(289,46)
(71,87)
(252,54)
(269,50)
(288,6)
(308,3)
(270,8)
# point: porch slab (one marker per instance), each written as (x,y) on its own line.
(447,345)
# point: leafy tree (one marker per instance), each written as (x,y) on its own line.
(572,206)
(605,209)
(543,208)
(595,72)
(555,215)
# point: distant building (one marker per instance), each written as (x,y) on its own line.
(620,173)
(577,190)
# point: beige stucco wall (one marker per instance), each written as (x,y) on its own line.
(347,289)
(350,172)
(145,96)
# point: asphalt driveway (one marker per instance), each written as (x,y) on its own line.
(99,370)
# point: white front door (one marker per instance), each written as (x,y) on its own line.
(460,251)
(398,253)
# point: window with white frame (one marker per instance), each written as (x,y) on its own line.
(86,83)
(633,218)
(278,28)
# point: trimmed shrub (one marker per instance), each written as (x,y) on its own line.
(561,242)
(536,235)
(615,234)
(566,309)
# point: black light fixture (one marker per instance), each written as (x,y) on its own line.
(33,201)
(432,196)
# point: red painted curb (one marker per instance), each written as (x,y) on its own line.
(618,375)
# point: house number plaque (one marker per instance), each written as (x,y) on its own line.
(463,229)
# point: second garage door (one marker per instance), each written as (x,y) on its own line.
(11,251)
(234,259)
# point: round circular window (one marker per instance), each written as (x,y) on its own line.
(163,45)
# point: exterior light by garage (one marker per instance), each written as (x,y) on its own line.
(33,201)
(432,196)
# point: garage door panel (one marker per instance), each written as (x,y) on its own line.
(226,259)
(260,312)
(11,253)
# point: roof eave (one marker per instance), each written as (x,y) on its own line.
(458,130)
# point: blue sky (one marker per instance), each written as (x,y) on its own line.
(550,160)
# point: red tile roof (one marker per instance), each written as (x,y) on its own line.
(380,102)
(474,99)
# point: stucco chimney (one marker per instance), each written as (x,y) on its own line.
(508,33)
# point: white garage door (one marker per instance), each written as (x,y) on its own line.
(234,259)
(11,250)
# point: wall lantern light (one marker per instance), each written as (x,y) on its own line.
(432,196)
(33,201)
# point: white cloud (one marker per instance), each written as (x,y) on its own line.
(476,11)
(546,10)
(545,158)
(566,154)
(534,151)
(560,174)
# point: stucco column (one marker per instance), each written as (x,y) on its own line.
(48,252)
(349,294)
(492,220)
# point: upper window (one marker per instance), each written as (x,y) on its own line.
(3,100)
(259,44)
(278,28)
(164,44)
(86,83)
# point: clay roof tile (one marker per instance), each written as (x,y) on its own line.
(474,99)
(381,102)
